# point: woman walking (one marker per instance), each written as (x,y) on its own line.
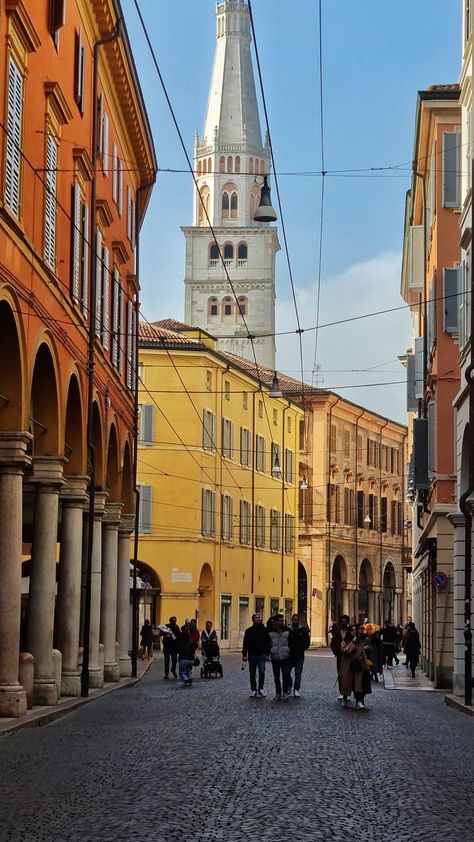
(412,648)
(354,676)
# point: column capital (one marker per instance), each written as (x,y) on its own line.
(48,471)
(127,524)
(100,498)
(456,518)
(13,450)
(74,491)
(112,512)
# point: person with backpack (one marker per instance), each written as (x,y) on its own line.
(298,642)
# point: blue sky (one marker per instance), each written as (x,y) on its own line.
(376,56)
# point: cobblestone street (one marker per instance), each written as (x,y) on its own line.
(159,761)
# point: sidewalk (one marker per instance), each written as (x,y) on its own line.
(43,715)
(399,678)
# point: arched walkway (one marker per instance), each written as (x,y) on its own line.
(11,372)
(112,478)
(339,594)
(206,595)
(302,593)
(365,603)
(389,583)
(74,433)
(44,405)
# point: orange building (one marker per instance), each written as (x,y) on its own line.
(77,165)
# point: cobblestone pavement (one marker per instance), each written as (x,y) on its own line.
(162,762)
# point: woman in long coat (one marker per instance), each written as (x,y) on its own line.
(354,676)
(412,648)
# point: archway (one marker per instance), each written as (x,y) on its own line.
(302,593)
(148,594)
(44,405)
(74,431)
(388,591)
(112,478)
(97,441)
(127,485)
(339,594)
(206,595)
(364,607)
(11,375)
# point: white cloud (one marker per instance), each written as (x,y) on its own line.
(377,341)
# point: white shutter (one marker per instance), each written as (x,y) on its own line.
(114,173)
(133,221)
(98,283)
(129,213)
(50,202)
(85,261)
(13,140)
(100,123)
(129,344)
(121,322)
(115,316)
(76,241)
(105,298)
(144,520)
(120,187)
(147,418)
(105,144)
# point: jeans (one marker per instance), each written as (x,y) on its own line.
(257,662)
(170,653)
(282,668)
(296,664)
(186,669)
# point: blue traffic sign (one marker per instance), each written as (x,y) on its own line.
(440,579)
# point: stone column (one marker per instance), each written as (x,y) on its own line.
(371,606)
(123,594)
(108,610)
(13,459)
(96,675)
(73,497)
(459,525)
(47,477)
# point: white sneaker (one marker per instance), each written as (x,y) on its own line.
(360,706)
(253,694)
(262,694)
(340,698)
(297,694)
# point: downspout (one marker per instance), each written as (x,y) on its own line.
(141,189)
(380,520)
(328,516)
(113,36)
(422,325)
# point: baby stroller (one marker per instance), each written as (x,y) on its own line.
(211,663)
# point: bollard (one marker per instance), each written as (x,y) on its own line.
(26,676)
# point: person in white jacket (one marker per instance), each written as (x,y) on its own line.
(280,658)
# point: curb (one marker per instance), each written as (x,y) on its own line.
(40,718)
(454,702)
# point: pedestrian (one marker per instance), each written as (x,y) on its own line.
(194,631)
(339,632)
(280,658)
(412,648)
(256,650)
(298,642)
(354,675)
(146,640)
(170,632)
(389,638)
(186,650)
(208,635)
(376,656)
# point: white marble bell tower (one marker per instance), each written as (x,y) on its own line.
(229,160)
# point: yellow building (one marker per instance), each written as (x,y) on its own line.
(218,476)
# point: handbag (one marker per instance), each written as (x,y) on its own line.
(356,665)
(196,662)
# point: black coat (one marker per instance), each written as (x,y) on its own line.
(186,646)
(298,641)
(256,641)
(412,646)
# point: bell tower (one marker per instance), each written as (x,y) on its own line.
(230,161)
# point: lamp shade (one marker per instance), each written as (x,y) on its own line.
(265,212)
(275,391)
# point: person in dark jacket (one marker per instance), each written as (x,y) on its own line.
(256,650)
(146,639)
(339,633)
(390,643)
(208,636)
(412,648)
(170,650)
(280,658)
(298,642)
(375,655)
(186,650)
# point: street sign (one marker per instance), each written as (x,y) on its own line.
(440,580)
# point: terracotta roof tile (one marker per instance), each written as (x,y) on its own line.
(153,333)
(173,324)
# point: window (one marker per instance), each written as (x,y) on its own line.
(213,307)
(301,443)
(275,418)
(105,144)
(227,518)
(289,466)
(227,307)
(80,250)
(393,517)
(245,400)
(226,602)
(105,302)
(260,409)
(225,205)
(227,390)
(120,187)
(130,344)
(14,138)
(275,460)
(260,605)
(227,438)
(243,306)
(79,71)
(245,447)
(222,164)
(275,529)
(450,311)
(289,534)
(451,169)
(199,169)
(259,526)
(229,164)
(144,518)
(245,523)
(208,430)
(114,172)
(57,18)
(464,301)
(347,443)
(360,446)
(349,506)
(209,381)
(360,509)
(213,255)
(146,423)
(400,517)
(260,453)
(233,205)
(237,163)
(130,217)
(208,513)
(228,254)
(383,514)
(333,503)
(50,202)
(288,423)
(333,438)
(116,320)
(251,166)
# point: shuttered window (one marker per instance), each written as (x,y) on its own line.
(431,317)
(289,466)
(146,424)
(79,71)
(259,526)
(105,298)
(76,242)
(85,260)
(50,202)
(412,403)
(120,187)
(145,518)
(114,173)
(98,282)
(245,523)
(451,169)
(227,518)
(208,430)
(450,298)
(115,319)
(227,438)
(13,142)
(121,335)
(289,533)
(260,455)
(105,143)
(245,447)
(208,513)
(431,438)
(464,302)
(419,366)
(275,529)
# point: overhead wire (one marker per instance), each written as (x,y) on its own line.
(323,186)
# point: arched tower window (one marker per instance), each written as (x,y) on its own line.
(228,254)
(237,163)
(254,200)
(242,254)
(209,165)
(227,306)
(213,255)
(222,164)
(229,164)
(199,167)
(251,166)
(225,205)
(234,203)
(204,166)
(243,305)
(213,307)
(203,205)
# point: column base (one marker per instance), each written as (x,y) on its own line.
(96,677)
(12,701)
(125,667)
(71,683)
(458,684)
(111,672)
(45,692)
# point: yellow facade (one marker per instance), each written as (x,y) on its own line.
(218,524)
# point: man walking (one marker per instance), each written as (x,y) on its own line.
(280,658)
(256,649)
(186,649)
(298,643)
(170,650)
(390,641)
(339,633)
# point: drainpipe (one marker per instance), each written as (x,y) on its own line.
(113,36)
(328,515)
